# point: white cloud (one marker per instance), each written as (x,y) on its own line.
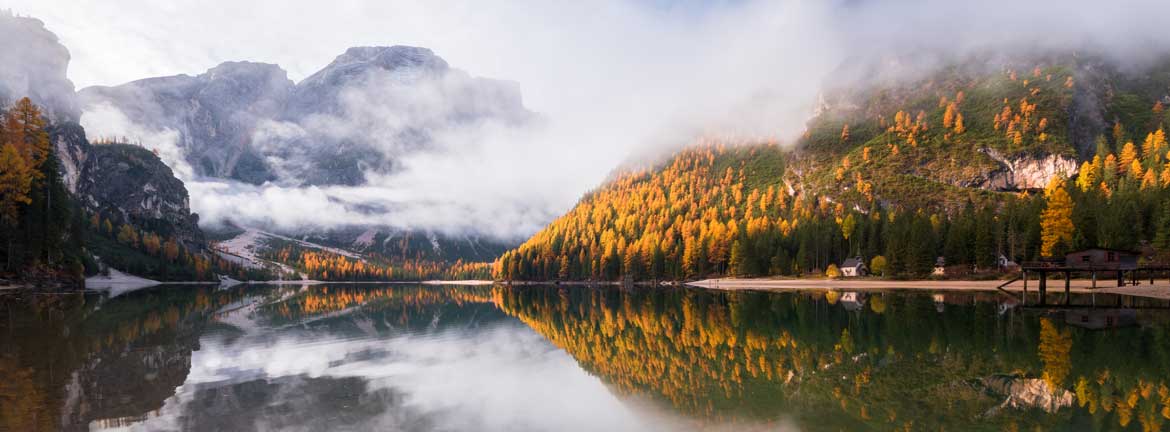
(610,77)
(105,122)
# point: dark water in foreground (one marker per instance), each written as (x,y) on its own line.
(423,358)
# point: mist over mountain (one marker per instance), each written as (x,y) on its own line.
(360,114)
(35,64)
(203,124)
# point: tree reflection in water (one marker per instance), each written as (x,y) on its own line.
(503,358)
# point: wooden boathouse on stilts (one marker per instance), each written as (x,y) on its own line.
(1121,264)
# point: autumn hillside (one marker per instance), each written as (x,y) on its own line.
(979,159)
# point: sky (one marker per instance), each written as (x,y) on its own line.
(612,77)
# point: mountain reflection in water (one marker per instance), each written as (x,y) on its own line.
(412,357)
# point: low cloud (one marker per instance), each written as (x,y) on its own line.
(104,122)
(608,79)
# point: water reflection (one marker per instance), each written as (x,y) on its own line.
(399,357)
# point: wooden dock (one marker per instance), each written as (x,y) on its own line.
(1123,275)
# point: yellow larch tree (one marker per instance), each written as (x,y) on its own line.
(1087,176)
(24,128)
(1056,225)
(1135,170)
(15,183)
(1128,155)
(1149,180)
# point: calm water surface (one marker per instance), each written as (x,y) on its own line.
(431,358)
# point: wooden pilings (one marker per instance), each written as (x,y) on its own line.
(1067,286)
(1043,287)
(1125,276)
(1024,298)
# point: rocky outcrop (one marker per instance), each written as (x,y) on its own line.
(1025,172)
(129,184)
(72,150)
(34,63)
(1023,393)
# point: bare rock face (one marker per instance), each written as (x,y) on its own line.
(129,184)
(1026,172)
(1023,393)
(72,150)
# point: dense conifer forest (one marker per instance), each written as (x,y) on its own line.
(911,174)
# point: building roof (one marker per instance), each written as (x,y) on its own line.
(852,262)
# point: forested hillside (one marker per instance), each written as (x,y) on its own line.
(325,265)
(968,163)
(38,222)
(121,208)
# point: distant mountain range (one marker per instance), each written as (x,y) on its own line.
(248,122)
(372,105)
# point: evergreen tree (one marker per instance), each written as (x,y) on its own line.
(1162,237)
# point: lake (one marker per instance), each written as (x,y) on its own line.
(557,358)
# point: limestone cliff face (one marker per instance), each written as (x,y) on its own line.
(1025,171)
(72,150)
(124,183)
(129,184)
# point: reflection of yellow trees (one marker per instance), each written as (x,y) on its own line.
(1149,402)
(1055,346)
(692,356)
(709,355)
(877,304)
(22,403)
(328,299)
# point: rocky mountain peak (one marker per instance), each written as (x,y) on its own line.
(246,71)
(250,86)
(358,60)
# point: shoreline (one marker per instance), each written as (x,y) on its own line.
(1159,290)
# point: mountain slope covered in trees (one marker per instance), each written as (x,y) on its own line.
(70,208)
(978,159)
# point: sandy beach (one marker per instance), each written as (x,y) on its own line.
(1160,289)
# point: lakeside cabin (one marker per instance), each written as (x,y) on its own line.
(1103,259)
(854,267)
(940,267)
(1006,265)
